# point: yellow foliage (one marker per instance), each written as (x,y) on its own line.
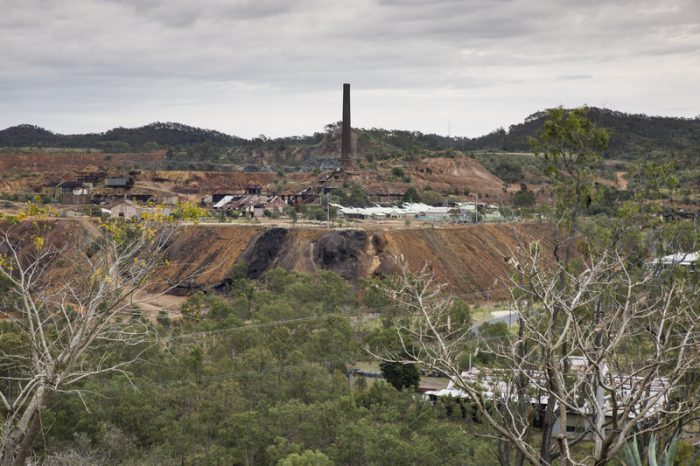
(189,211)
(35,210)
(5,263)
(39,243)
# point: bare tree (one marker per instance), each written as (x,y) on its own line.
(611,349)
(68,300)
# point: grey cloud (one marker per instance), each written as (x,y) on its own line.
(184,13)
(161,53)
(574,77)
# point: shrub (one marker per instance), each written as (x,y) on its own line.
(509,171)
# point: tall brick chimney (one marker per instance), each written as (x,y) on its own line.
(346,144)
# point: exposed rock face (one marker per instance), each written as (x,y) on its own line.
(263,250)
(341,252)
(469,258)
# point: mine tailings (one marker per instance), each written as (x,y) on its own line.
(471,259)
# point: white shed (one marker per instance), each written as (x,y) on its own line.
(125,210)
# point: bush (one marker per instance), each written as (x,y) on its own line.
(411,195)
(355,197)
(432,198)
(399,375)
(509,171)
(318,213)
(524,198)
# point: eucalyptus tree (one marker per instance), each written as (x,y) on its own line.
(69,309)
(607,331)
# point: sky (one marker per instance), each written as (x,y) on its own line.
(276,67)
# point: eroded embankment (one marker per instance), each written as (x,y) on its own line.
(472,259)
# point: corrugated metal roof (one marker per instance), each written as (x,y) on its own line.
(224,200)
(405,209)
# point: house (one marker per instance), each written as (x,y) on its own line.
(443,214)
(50,189)
(250,205)
(125,209)
(129,210)
(67,192)
(497,385)
(275,203)
(119,184)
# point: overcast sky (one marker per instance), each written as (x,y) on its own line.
(276,67)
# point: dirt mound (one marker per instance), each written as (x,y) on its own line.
(471,258)
(207,253)
(444,173)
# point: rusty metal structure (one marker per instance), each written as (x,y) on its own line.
(346,141)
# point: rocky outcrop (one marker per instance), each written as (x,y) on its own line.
(342,252)
(262,252)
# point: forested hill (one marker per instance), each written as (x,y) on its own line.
(118,139)
(633,136)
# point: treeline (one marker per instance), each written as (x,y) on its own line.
(153,136)
(634,136)
(256,375)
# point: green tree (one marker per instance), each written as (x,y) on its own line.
(524,197)
(411,195)
(400,375)
(572,148)
(433,198)
(509,171)
(307,458)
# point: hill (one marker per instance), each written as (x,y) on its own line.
(470,258)
(634,137)
(120,139)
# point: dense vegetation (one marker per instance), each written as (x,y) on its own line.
(144,138)
(256,375)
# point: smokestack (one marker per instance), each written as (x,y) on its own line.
(346,145)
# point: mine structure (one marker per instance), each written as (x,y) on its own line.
(346,135)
